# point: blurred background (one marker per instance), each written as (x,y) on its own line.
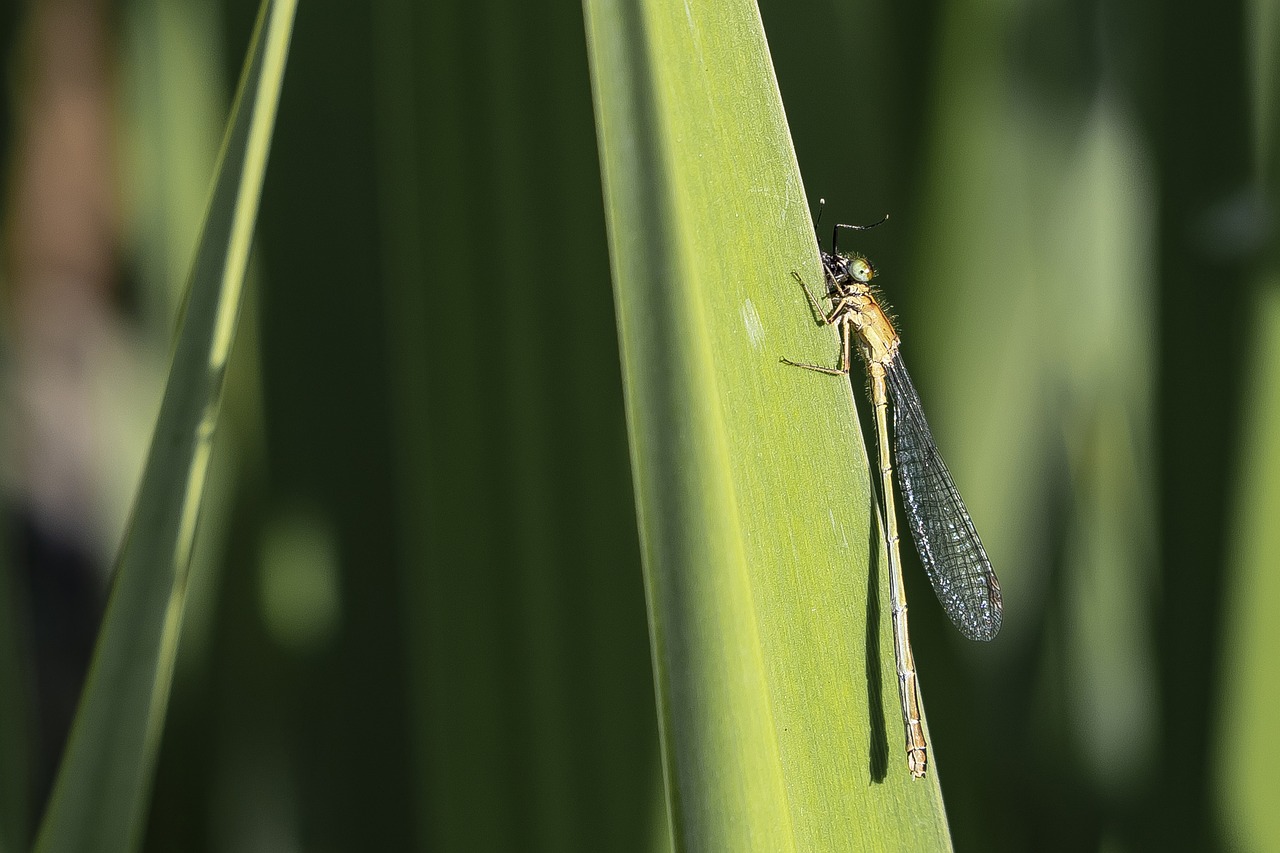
(416,617)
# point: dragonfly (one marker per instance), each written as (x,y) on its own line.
(947,541)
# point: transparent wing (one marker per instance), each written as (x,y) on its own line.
(948,544)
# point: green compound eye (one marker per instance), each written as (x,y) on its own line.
(862,271)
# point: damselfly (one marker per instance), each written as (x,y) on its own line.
(945,537)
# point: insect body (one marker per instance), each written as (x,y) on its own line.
(945,537)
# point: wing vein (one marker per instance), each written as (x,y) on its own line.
(948,543)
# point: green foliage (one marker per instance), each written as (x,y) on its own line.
(100,797)
(757,547)
(417,607)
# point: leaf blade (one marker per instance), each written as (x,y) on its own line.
(100,794)
(752,488)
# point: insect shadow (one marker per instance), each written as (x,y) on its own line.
(877,734)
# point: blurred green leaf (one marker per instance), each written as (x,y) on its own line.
(516,566)
(100,795)
(1251,690)
(173,104)
(1245,777)
(777,696)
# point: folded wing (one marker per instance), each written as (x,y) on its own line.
(945,537)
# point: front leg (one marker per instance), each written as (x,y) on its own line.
(827,319)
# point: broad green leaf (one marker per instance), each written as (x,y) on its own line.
(100,795)
(778,701)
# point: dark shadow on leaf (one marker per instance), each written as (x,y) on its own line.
(877,738)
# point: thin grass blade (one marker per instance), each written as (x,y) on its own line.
(101,791)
